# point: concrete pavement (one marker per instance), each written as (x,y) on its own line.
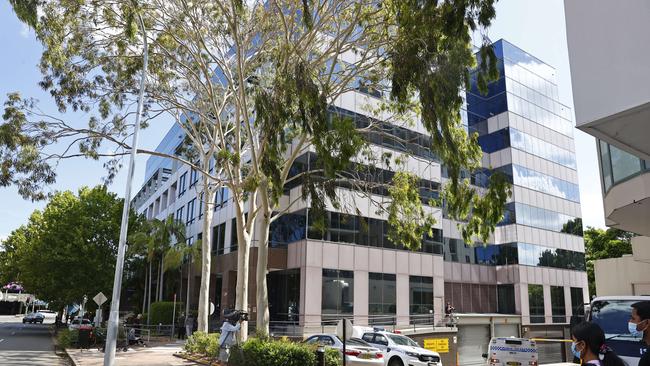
(27,344)
(142,356)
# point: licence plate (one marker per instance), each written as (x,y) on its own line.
(365,356)
(432,364)
(513,363)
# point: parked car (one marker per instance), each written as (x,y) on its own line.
(400,350)
(511,352)
(33,318)
(76,323)
(357,352)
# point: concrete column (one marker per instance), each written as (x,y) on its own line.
(402,300)
(311,292)
(361,297)
(547,304)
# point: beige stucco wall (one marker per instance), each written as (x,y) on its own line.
(628,275)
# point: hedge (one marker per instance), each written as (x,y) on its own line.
(266,352)
(162,312)
(203,344)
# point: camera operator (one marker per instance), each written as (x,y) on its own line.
(228,329)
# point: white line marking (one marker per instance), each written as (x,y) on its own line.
(1,340)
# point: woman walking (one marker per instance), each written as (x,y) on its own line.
(589,346)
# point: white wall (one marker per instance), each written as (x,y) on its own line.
(609,53)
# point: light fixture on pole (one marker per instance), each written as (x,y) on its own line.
(111,333)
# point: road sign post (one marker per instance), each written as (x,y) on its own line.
(344,332)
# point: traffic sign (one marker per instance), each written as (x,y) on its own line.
(100,298)
(348,329)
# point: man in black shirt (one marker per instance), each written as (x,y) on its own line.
(640,323)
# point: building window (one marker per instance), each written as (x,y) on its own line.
(221,198)
(557,304)
(338,293)
(381,298)
(218,238)
(190,211)
(536,303)
(179,214)
(577,302)
(471,298)
(181,184)
(194,177)
(506,299)
(421,299)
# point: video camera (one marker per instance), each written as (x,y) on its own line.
(234,316)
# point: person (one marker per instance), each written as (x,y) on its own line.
(589,346)
(137,325)
(180,322)
(227,338)
(639,325)
(189,324)
(449,309)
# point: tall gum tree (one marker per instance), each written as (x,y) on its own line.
(247,79)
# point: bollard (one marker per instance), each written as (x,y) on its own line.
(320,355)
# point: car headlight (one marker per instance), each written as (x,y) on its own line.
(412,354)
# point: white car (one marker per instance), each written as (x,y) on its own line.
(401,350)
(77,323)
(511,352)
(357,352)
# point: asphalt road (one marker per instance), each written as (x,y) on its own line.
(27,344)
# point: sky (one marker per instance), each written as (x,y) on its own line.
(536,26)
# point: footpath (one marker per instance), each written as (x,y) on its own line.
(160,355)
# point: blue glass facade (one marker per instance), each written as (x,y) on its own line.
(526,88)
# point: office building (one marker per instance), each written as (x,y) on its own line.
(526,280)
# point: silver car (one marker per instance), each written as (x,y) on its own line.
(357,352)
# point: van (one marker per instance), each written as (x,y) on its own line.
(511,352)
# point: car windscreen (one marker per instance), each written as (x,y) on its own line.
(402,341)
(612,316)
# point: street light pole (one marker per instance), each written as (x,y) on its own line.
(111,334)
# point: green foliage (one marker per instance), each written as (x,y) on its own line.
(333,357)
(603,244)
(408,221)
(67,250)
(162,312)
(67,338)
(203,344)
(257,352)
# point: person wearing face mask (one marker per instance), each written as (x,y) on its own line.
(589,346)
(639,326)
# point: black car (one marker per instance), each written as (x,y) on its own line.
(33,318)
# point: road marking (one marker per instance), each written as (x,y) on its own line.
(1,340)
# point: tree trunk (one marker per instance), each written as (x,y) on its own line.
(144,295)
(155,298)
(243,251)
(262,235)
(206,258)
(180,282)
(149,295)
(189,274)
(162,278)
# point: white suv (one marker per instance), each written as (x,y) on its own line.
(400,350)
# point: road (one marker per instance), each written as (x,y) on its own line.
(27,344)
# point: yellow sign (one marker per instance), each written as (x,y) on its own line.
(440,345)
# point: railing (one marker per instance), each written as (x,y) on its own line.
(414,323)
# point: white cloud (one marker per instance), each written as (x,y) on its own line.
(24,30)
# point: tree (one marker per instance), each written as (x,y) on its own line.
(68,250)
(245,80)
(603,244)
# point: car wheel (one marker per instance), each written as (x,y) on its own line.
(24,321)
(395,361)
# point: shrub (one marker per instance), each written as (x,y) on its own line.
(203,344)
(333,357)
(258,352)
(67,338)
(162,312)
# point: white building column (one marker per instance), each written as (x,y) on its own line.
(402,300)
(361,297)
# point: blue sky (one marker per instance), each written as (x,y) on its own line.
(535,26)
